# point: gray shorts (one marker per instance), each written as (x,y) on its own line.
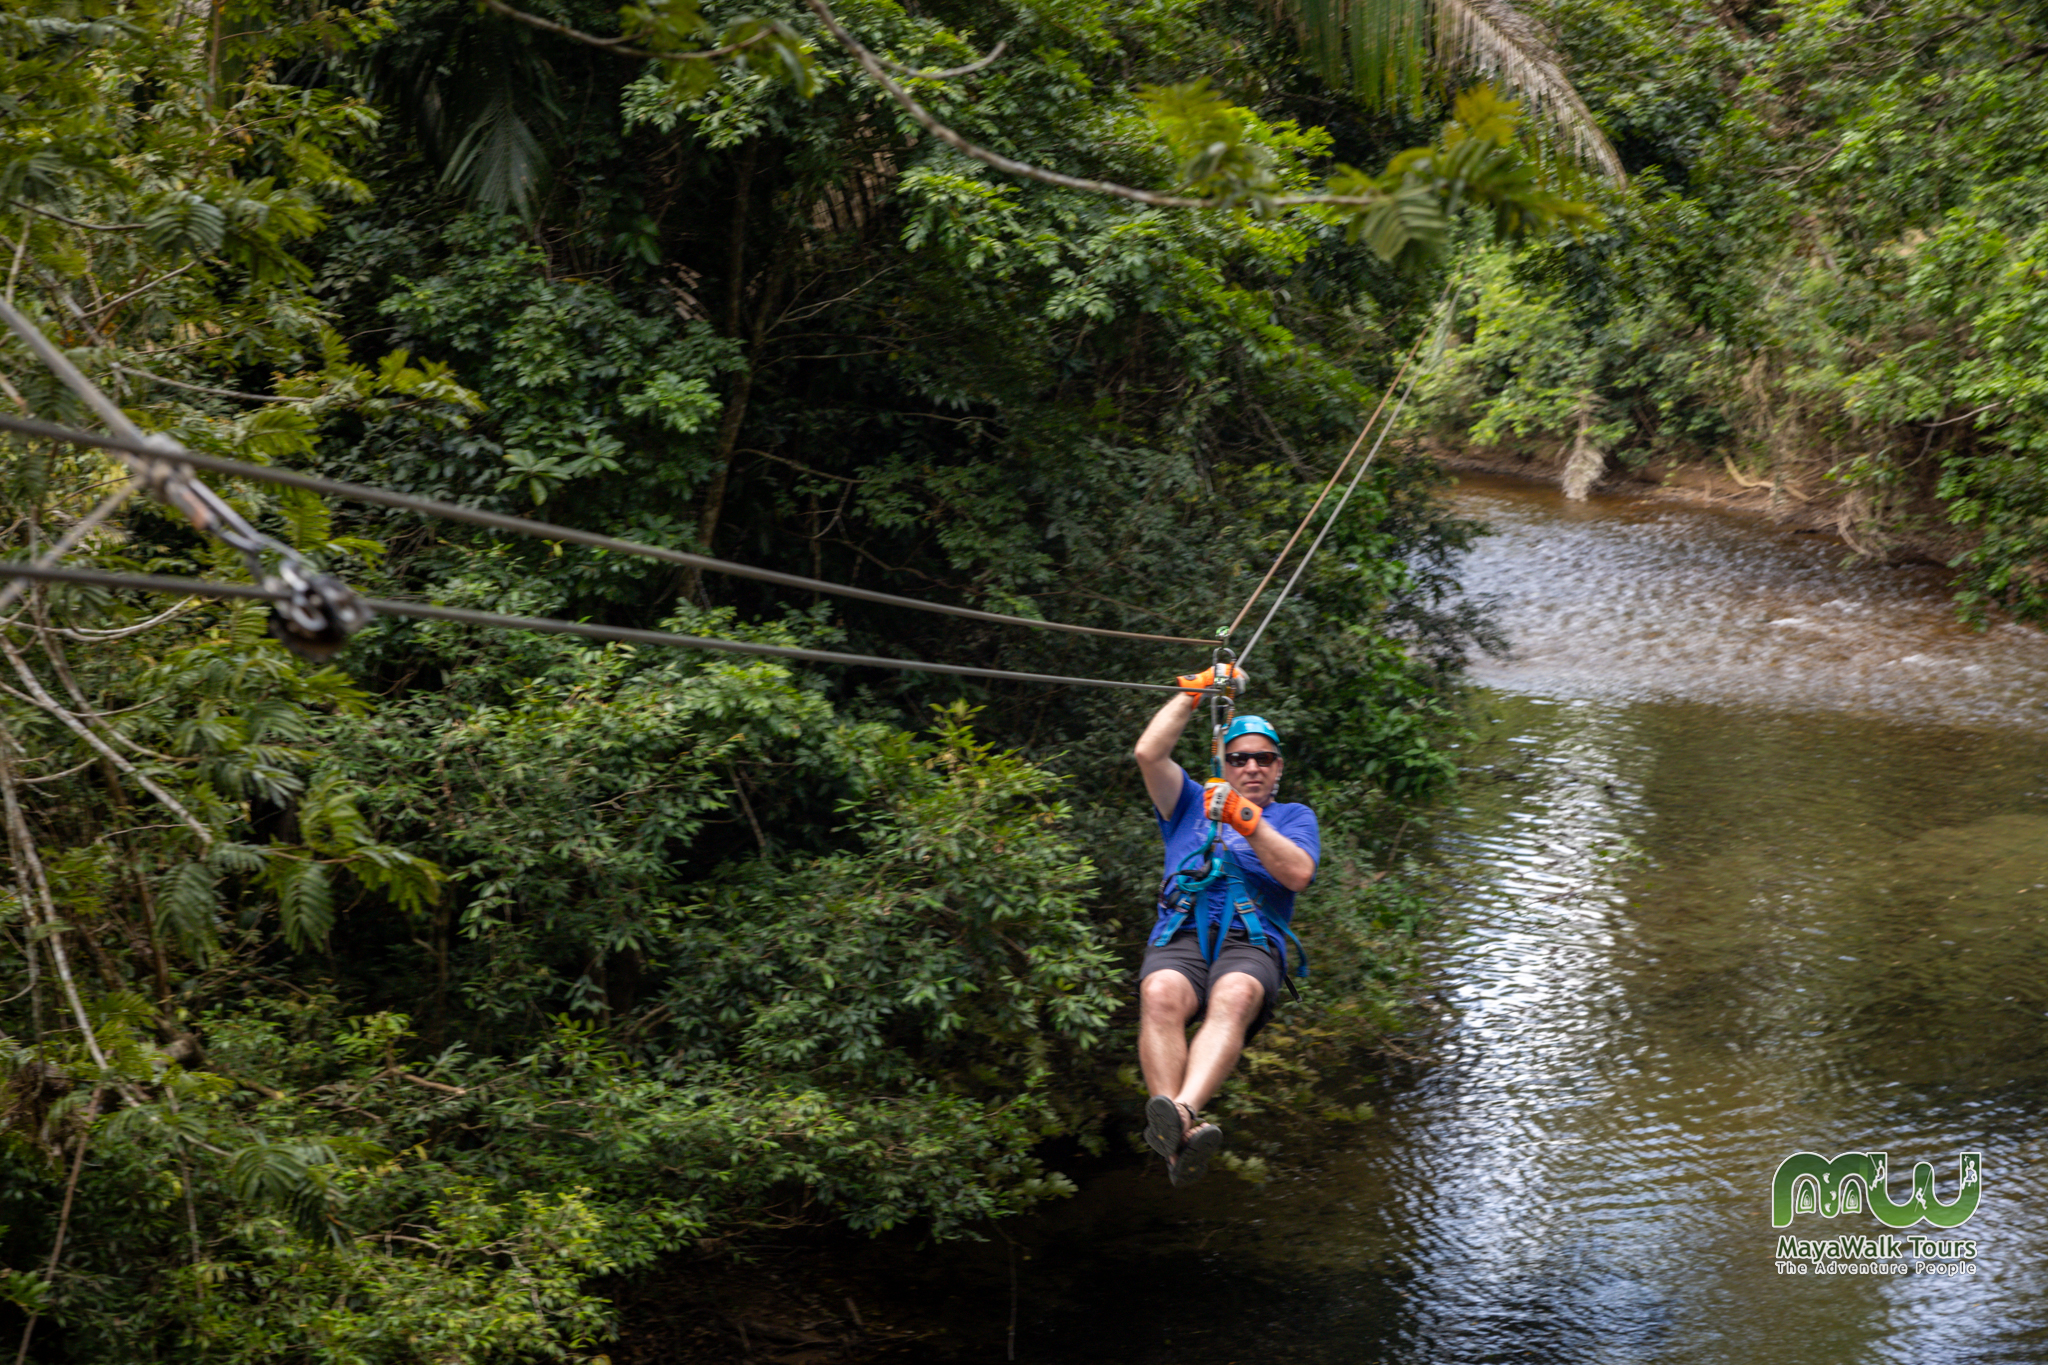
(1238,954)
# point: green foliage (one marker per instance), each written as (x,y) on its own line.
(1476,163)
(417,994)
(956,920)
(1405,214)
(1824,271)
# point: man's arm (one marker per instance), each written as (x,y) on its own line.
(1288,862)
(1154,753)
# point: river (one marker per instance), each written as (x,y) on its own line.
(1754,860)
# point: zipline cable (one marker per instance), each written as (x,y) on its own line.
(1437,337)
(316,612)
(547,531)
(548,625)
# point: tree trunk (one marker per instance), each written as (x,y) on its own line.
(713,506)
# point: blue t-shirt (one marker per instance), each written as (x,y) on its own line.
(1187,833)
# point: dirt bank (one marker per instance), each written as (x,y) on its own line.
(1915,531)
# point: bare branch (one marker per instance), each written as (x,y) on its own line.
(877,71)
(73,222)
(950,72)
(46,702)
(204,388)
(143,288)
(619,45)
(801,468)
(71,771)
(24,846)
(1009,166)
(89,635)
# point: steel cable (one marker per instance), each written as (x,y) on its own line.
(548,531)
(548,625)
(316,612)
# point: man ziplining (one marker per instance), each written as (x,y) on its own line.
(1235,857)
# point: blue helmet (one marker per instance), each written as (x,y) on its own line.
(1251,725)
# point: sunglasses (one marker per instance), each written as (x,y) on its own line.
(1265,758)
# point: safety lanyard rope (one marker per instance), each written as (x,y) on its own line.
(1433,338)
(1337,512)
(1309,515)
(1186,879)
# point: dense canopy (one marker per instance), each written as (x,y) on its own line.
(379,1010)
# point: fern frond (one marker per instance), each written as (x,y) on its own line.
(296,1178)
(305,903)
(499,163)
(187,906)
(308,516)
(229,857)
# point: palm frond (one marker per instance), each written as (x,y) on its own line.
(1379,49)
(472,89)
(1494,39)
(1386,50)
(499,162)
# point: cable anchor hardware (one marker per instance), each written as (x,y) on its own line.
(317,613)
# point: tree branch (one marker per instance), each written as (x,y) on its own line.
(142,288)
(1008,165)
(24,844)
(950,72)
(73,222)
(44,700)
(876,70)
(619,45)
(203,388)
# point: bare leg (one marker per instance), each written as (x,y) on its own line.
(1234,1001)
(1166,1001)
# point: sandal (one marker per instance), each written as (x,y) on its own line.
(1193,1162)
(1165,1133)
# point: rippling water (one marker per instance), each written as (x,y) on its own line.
(1627,600)
(1756,861)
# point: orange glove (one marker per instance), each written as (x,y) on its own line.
(1229,675)
(1221,801)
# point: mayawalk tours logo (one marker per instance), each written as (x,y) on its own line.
(1855,1183)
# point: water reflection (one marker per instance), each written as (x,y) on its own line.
(1757,862)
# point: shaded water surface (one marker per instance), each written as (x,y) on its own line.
(1755,861)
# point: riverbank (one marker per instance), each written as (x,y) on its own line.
(1804,499)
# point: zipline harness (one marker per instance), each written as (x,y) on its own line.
(1184,893)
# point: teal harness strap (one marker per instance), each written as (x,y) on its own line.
(1181,898)
(1181,894)
(1245,901)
